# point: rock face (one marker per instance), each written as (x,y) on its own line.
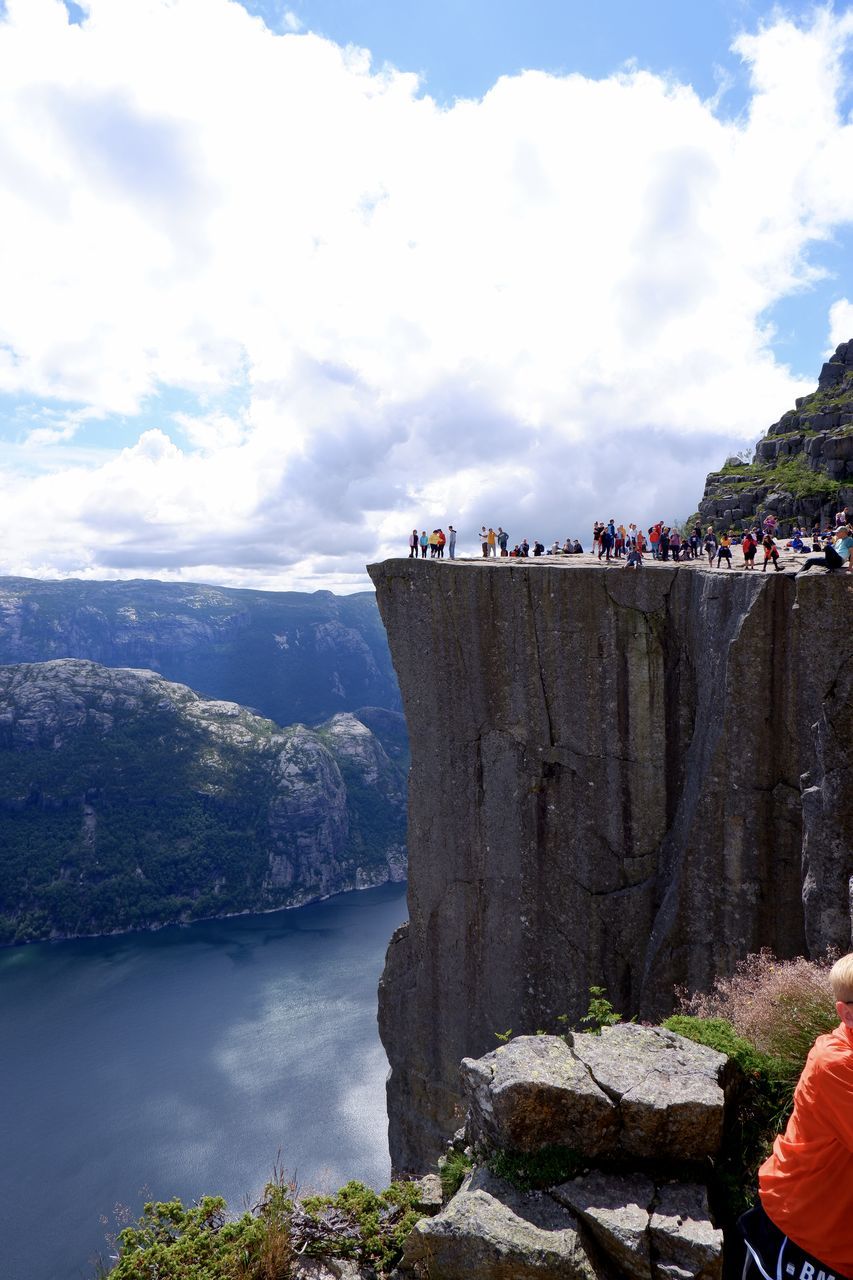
(127,801)
(616,779)
(290,655)
(802,471)
(639,1215)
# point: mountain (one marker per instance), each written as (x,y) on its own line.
(803,468)
(128,801)
(289,655)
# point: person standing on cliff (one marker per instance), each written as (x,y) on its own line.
(413,545)
(503,539)
(724,551)
(484,542)
(451,542)
(805,1188)
(771,552)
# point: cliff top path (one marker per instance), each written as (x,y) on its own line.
(789,561)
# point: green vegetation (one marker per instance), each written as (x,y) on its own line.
(163,816)
(451,1170)
(600,1012)
(792,475)
(367,1226)
(171,1242)
(533,1170)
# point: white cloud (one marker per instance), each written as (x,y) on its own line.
(520,309)
(840,322)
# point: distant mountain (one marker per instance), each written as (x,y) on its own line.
(128,801)
(802,471)
(289,655)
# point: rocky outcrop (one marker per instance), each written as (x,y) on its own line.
(802,470)
(127,800)
(615,780)
(290,655)
(636,1212)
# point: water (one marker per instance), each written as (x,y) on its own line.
(180,1063)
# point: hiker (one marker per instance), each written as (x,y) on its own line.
(749,548)
(413,545)
(451,542)
(724,550)
(484,542)
(442,540)
(801,1225)
(770,552)
(424,541)
(503,539)
(490,541)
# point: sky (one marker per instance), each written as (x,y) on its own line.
(281,281)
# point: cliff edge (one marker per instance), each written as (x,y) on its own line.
(626,779)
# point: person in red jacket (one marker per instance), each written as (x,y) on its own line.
(803,1224)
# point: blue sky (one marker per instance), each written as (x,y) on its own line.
(259,291)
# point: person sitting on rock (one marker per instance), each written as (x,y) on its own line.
(833,556)
(634,559)
(577,549)
(801,1226)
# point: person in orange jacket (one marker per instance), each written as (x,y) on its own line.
(805,1187)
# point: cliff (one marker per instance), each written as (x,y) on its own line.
(292,656)
(626,779)
(802,471)
(127,800)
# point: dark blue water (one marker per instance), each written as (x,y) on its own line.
(181,1063)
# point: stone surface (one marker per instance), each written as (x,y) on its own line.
(683,1239)
(328,1269)
(430,1196)
(533,1092)
(668,1090)
(491,1232)
(617,1210)
(606,778)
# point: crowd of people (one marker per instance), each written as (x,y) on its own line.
(831,548)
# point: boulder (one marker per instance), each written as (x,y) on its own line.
(534,1092)
(491,1232)
(430,1196)
(617,1211)
(684,1242)
(669,1090)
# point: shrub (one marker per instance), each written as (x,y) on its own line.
(778,1006)
(451,1171)
(600,1012)
(532,1170)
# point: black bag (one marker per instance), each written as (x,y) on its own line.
(774,1256)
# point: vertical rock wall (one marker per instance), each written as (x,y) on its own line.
(605,789)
